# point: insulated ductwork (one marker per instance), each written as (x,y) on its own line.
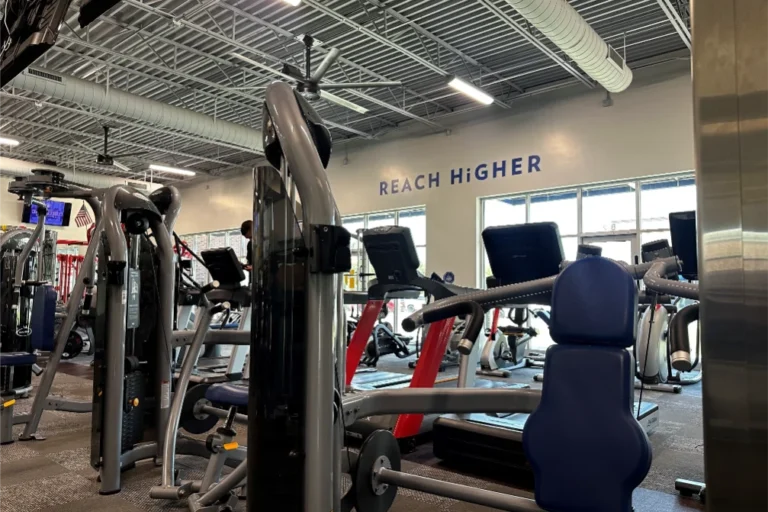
(12,167)
(115,101)
(565,27)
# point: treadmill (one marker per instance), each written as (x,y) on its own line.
(516,254)
(393,255)
(225,268)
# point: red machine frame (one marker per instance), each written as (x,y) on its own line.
(425,374)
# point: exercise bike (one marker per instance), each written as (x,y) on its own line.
(505,348)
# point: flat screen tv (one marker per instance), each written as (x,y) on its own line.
(58,214)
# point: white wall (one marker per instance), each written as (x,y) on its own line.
(11,208)
(648,131)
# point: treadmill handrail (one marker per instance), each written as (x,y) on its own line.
(515,293)
(656,281)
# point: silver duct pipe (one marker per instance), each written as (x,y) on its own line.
(13,168)
(109,99)
(565,27)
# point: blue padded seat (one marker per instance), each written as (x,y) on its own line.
(228,394)
(587,450)
(43,318)
(17,358)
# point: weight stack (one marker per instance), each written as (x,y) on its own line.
(133,417)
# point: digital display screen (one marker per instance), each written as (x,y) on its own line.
(58,213)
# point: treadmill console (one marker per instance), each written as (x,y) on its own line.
(523,252)
(392,254)
(654,250)
(682,227)
(224,266)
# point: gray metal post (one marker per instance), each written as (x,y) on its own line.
(173,210)
(73,306)
(167,489)
(319,208)
(114,363)
(164,328)
(459,492)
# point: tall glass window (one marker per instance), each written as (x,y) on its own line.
(608,208)
(558,207)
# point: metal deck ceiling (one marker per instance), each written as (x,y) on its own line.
(180,52)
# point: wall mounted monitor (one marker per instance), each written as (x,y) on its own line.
(58,214)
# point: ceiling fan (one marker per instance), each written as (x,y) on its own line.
(309,84)
(108,160)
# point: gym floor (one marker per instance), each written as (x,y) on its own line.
(55,475)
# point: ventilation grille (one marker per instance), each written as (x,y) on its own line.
(45,76)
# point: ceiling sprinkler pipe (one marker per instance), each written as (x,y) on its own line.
(565,27)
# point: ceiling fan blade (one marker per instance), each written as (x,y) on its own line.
(359,85)
(328,61)
(120,166)
(344,103)
(261,66)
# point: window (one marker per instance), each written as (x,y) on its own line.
(504,211)
(608,209)
(413,218)
(603,214)
(661,197)
(558,207)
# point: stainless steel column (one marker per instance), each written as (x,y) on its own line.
(114,363)
(730,86)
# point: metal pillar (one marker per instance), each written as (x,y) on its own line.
(730,86)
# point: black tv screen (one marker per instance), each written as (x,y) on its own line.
(682,227)
(58,214)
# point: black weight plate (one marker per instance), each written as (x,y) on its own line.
(191,422)
(380,443)
(73,347)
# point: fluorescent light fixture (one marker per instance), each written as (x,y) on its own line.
(294,3)
(171,170)
(344,103)
(4,141)
(470,90)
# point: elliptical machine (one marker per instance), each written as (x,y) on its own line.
(660,366)
(507,346)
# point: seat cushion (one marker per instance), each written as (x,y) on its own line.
(17,358)
(594,302)
(587,450)
(228,394)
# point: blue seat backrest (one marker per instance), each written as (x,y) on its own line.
(587,450)
(43,318)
